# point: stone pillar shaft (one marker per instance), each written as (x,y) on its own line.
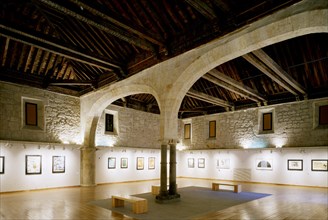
(163,188)
(88,166)
(173,164)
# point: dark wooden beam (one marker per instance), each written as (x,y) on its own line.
(101,25)
(207,98)
(33,80)
(69,82)
(267,60)
(251,58)
(55,46)
(202,8)
(230,87)
(151,37)
(236,84)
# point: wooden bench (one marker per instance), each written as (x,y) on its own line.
(236,187)
(139,205)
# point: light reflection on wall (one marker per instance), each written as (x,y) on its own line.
(68,139)
(279,142)
(180,147)
(258,143)
(109,141)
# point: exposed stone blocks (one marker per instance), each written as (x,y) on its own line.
(61,115)
(293,127)
(135,129)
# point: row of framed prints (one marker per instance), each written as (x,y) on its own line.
(265,164)
(140,161)
(33,164)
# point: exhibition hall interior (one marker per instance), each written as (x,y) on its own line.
(172,110)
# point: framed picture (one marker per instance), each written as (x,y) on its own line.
(140,163)
(191,163)
(33,164)
(124,162)
(223,163)
(319,165)
(264,164)
(58,164)
(2,164)
(201,162)
(151,163)
(111,162)
(295,165)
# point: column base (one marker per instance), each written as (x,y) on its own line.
(167,198)
(88,185)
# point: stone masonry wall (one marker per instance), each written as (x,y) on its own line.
(135,129)
(294,125)
(60,115)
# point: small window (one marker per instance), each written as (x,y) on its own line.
(267,121)
(109,123)
(323,115)
(31,114)
(187,129)
(212,129)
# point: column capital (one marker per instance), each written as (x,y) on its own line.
(87,148)
(169,141)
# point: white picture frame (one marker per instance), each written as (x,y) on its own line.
(264,164)
(223,163)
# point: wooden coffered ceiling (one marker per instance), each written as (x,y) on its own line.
(77,46)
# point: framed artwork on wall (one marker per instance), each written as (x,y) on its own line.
(295,164)
(264,164)
(140,163)
(124,162)
(151,163)
(223,163)
(33,164)
(58,164)
(319,165)
(191,162)
(111,162)
(201,162)
(2,164)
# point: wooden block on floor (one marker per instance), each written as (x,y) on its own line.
(236,187)
(139,205)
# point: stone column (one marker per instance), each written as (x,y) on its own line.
(173,165)
(163,189)
(166,196)
(88,166)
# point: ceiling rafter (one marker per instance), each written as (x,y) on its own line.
(104,26)
(234,86)
(217,74)
(267,60)
(151,37)
(207,98)
(33,80)
(202,8)
(53,45)
(252,59)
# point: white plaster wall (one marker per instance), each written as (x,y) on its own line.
(61,115)
(135,129)
(105,175)
(15,179)
(293,127)
(246,160)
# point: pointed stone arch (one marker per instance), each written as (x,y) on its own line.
(93,110)
(254,37)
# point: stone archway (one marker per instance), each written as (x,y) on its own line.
(183,71)
(232,46)
(92,107)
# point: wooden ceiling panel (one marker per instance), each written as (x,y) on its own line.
(77,46)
